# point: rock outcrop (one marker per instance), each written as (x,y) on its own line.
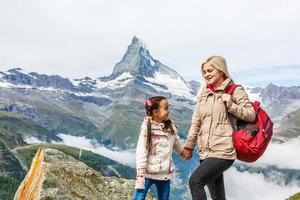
(55,175)
(295,197)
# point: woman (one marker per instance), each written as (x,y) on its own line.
(212,125)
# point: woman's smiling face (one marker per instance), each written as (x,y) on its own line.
(212,75)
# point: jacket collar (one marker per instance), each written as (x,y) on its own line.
(222,87)
(162,125)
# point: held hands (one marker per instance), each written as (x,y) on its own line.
(140,179)
(226,98)
(186,154)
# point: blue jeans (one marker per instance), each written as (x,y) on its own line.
(162,187)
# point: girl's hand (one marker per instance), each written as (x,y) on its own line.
(140,179)
(226,98)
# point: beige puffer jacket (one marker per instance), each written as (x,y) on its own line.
(211,124)
(158,160)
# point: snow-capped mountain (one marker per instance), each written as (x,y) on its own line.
(91,107)
(140,71)
(137,72)
(137,76)
(17,77)
(281,100)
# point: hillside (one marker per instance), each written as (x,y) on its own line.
(55,175)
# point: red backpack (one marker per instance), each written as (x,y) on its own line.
(252,139)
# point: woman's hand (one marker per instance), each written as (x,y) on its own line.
(186,154)
(226,98)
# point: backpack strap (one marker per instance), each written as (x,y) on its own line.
(229,90)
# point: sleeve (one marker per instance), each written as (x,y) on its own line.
(241,107)
(178,147)
(141,150)
(194,130)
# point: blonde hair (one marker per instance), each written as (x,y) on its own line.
(217,62)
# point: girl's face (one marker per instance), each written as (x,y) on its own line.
(162,113)
(212,75)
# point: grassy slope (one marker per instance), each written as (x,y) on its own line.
(19,125)
(11,173)
(55,111)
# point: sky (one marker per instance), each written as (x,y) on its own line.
(77,38)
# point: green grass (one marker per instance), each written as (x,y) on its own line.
(8,187)
(11,173)
(8,163)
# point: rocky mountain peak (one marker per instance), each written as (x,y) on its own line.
(137,41)
(273,91)
(17,69)
(137,61)
(138,70)
(18,76)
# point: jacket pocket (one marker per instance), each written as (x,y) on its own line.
(223,129)
(153,164)
(222,139)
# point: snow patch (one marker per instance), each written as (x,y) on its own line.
(175,85)
(119,82)
(4,84)
(94,94)
(253,96)
(32,140)
(75,82)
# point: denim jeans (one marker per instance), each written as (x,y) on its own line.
(162,187)
(210,173)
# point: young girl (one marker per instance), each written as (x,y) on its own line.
(157,139)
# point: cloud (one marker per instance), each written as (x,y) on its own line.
(285,155)
(124,157)
(243,185)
